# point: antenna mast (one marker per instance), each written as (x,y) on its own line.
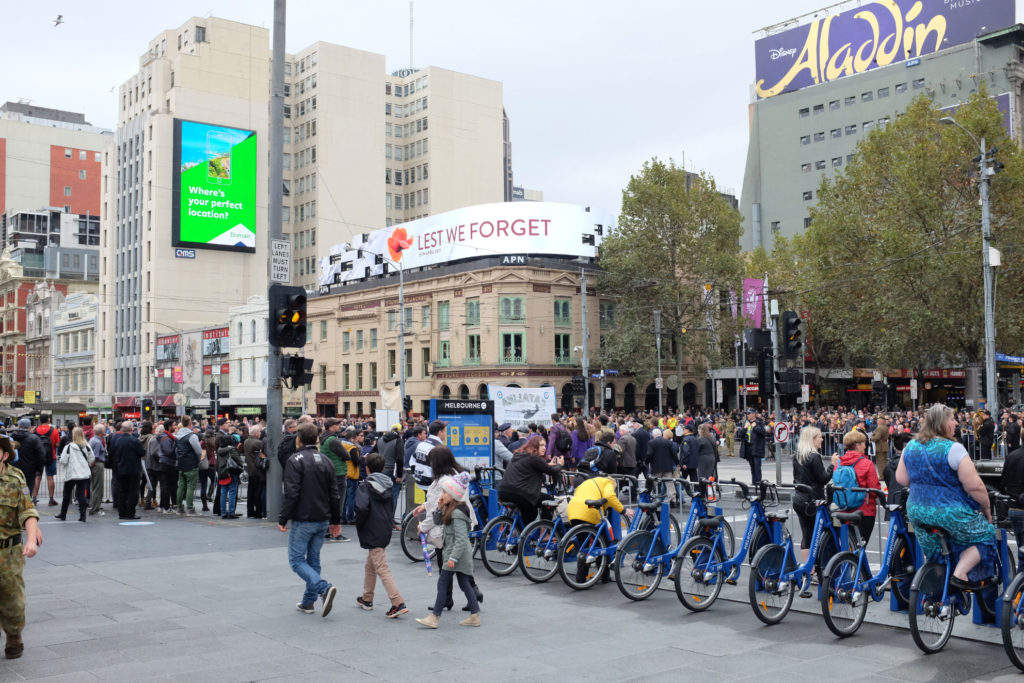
(411,63)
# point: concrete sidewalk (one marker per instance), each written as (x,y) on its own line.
(201,599)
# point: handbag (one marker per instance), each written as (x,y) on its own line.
(204,465)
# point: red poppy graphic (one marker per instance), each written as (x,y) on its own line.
(397,243)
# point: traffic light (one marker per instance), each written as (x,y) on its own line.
(878,393)
(764,374)
(287,316)
(788,382)
(578,385)
(407,404)
(147,409)
(792,335)
(297,369)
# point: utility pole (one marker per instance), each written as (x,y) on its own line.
(586,342)
(657,343)
(275,408)
(401,334)
(991,376)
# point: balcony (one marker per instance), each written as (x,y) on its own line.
(473,320)
(512,319)
(563,321)
(512,360)
(564,360)
(472,360)
(443,363)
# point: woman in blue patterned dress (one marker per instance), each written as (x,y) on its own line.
(946,492)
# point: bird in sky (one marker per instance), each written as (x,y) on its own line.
(58,21)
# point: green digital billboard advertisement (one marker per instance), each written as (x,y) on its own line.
(214,205)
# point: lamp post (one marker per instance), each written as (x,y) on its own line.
(984,175)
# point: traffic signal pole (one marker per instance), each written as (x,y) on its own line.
(275,408)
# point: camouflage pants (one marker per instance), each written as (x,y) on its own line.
(12,591)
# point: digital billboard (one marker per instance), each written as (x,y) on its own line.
(869,36)
(214,187)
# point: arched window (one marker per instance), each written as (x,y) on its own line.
(463,392)
(446,393)
(240,340)
(481,392)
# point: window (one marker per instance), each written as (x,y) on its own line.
(373,338)
(807,222)
(836,132)
(373,376)
(392,321)
(805,139)
(408,317)
(849,158)
(473,312)
(443,316)
(805,168)
(867,125)
(918,83)
(425,361)
(883,122)
(607,314)
(867,96)
(81,173)
(563,349)
(819,109)
(775,226)
(323,378)
(408,363)
(425,317)
(850,101)
(67,153)
(359,340)
(345,340)
(837,162)
(513,352)
(563,312)
(323,330)
(512,309)
(345,377)
(392,369)
(819,136)
(808,195)
(833,105)
(805,112)
(359,375)
(446,354)
(473,348)
(67,191)
(901,87)
(883,92)
(819,165)
(851,129)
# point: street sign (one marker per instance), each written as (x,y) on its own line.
(805,393)
(179,399)
(781,432)
(913,390)
(280,261)
(611,372)
(718,391)
(658,383)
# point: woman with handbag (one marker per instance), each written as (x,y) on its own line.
(76,459)
(228,469)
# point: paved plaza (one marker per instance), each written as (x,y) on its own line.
(201,599)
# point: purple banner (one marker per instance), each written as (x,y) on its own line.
(753,300)
(870,36)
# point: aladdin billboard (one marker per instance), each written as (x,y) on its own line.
(870,36)
(501,229)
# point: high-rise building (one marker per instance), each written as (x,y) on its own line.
(816,96)
(362,150)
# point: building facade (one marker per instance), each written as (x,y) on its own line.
(800,136)
(248,358)
(74,350)
(40,313)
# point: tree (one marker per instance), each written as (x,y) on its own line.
(891,264)
(676,234)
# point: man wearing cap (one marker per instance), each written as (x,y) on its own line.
(390,446)
(505,433)
(332,446)
(16,511)
(421,463)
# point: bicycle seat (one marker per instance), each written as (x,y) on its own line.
(854,516)
(893,507)
(549,503)
(710,522)
(510,505)
(599,502)
(776,516)
(649,506)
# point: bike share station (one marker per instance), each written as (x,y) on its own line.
(470,437)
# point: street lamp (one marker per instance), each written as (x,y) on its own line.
(984,175)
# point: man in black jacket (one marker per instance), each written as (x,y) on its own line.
(663,457)
(1012,433)
(753,434)
(127,452)
(374,514)
(986,436)
(31,456)
(1013,485)
(312,504)
(643,437)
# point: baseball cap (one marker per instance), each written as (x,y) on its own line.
(504,425)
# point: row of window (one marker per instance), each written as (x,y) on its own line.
(79,379)
(73,342)
(411,175)
(305,266)
(302,131)
(305,157)
(409,200)
(307,62)
(399,110)
(850,129)
(410,88)
(410,151)
(405,130)
(306,238)
(301,108)
(370,337)
(866,96)
(819,165)
(306,183)
(301,86)
(346,374)
(84,155)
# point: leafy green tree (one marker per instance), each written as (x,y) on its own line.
(676,234)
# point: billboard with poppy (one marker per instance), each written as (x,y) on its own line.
(486,230)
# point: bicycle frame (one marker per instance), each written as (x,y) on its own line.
(822,521)
(897,529)
(756,517)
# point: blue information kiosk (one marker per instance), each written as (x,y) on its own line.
(470,434)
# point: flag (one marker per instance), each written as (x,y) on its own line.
(753,300)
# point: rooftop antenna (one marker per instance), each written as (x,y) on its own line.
(411,62)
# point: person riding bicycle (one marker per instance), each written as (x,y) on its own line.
(595,489)
(946,492)
(524,478)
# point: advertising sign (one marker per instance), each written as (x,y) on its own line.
(520,407)
(216,342)
(753,300)
(869,36)
(214,187)
(470,429)
(518,228)
(167,348)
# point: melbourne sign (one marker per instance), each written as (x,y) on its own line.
(516,229)
(214,187)
(870,36)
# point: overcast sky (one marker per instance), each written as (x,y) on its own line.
(593,88)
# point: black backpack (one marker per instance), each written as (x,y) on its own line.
(563,442)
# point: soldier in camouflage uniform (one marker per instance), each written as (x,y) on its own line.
(16,511)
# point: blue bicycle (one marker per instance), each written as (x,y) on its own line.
(701,566)
(774,572)
(538,546)
(847,585)
(409,538)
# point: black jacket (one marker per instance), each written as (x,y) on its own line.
(689,452)
(987,433)
(525,476)
(310,489)
(31,457)
(127,452)
(285,449)
(753,447)
(643,438)
(374,511)
(1013,477)
(662,454)
(1013,435)
(390,446)
(812,474)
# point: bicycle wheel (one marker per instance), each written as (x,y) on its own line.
(901,570)
(931,621)
(828,547)
(1012,621)
(499,546)
(635,575)
(410,539)
(574,564)
(770,598)
(844,601)
(538,551)
(696,587)
(759,538)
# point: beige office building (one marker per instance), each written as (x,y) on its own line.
(362,150)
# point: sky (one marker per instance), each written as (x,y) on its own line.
(593,88)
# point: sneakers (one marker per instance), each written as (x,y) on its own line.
(191,512)
(471,620)
(430,621)
(365,604)
(53,503)
(305,609)
(328,598)
(396,611)
(342,538)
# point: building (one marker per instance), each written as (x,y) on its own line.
(362,150)
(188,363)
(74,350)
(40,312)
(248,358)
(525,194)
(804,125)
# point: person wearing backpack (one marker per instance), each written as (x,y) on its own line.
(559,440)
(855,469)
(187,452)
(51,445)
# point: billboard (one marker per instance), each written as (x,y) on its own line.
(521,407)
(216,342)
(520,228)
(870,36)
(214,187)
(167,348)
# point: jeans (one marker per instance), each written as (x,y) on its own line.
(1017,522)
(304,542)
(349,512)
(187,489)
(128,498)
(444,585)
(228,497)
(755,470)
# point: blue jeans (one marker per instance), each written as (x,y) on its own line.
(1017,522)
(304,542)
(350,500)
(228,498)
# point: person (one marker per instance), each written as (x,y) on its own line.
(337,451)
(169,473)
(880,437)
(456,557)
(582,441)
(602,457)
(556,431)
(16,512)
(255,466)
(421,456)
(127,453)
(986,435)
(663,458)
(707,452)
(855,445)
(689,453)
(50,439)
(98,445)
(207,473)
(809,470)
(730,436)
(523,482)
(627,451)
(899,443)
(1012,485)
(579,512)
(155,467)
(313,507)
(31,453)
(375,510)
(1012,431)
(643,438)
(147,482)
(946,492)
(76,459)
(228,469)
(753,435)
(287,445)
(390,447)
(351,441)
(187,452)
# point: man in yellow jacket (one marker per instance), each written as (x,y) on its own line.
(595,489)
